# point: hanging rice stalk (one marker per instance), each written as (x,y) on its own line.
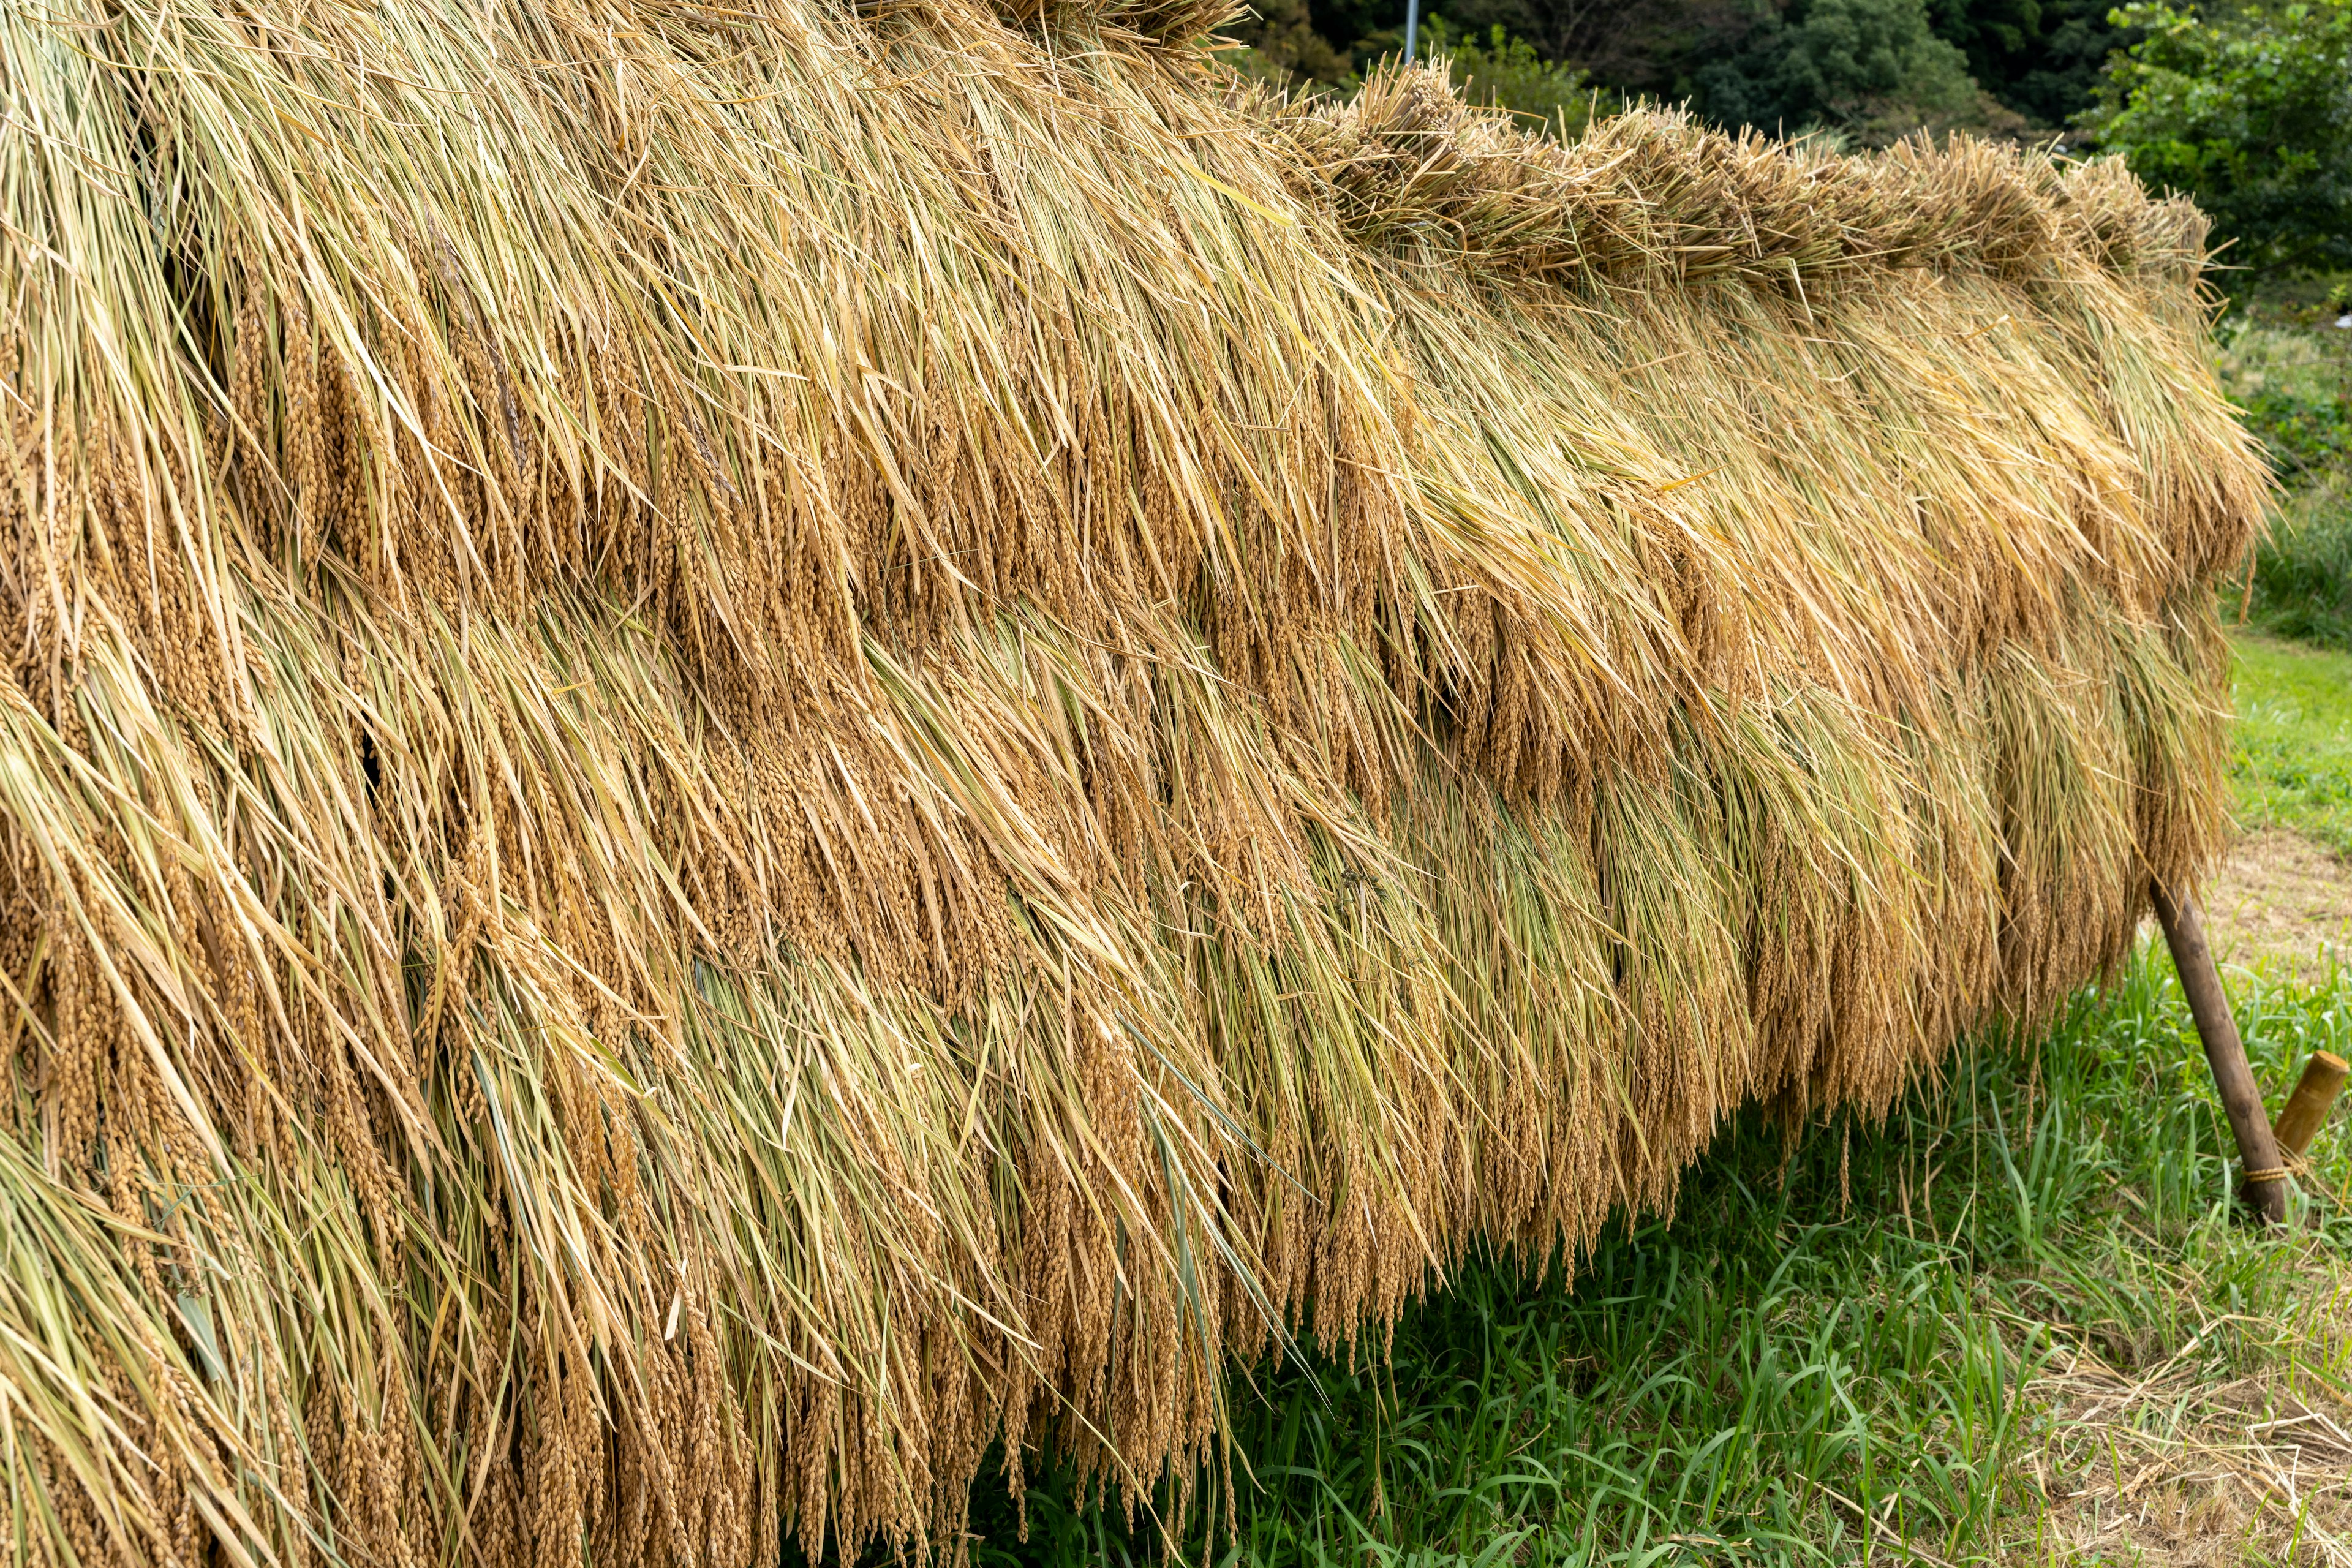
(740,748)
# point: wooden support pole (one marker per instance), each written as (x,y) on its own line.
(2307,1108)
(2225,1053)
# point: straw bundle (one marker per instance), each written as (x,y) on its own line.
(742,747)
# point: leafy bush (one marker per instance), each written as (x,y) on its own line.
(2296,388)
(1831,63)
(2303,572)
(2249,111)
(1282,45)
(2044,58)
(1507,72)
(2302,434)
(1874,70)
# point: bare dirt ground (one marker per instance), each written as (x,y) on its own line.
(2281,904)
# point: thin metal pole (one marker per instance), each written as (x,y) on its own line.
(1411,25)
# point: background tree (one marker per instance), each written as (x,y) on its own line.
(1873,68)
(2042,58)
(2250,112)
(1508,73)
(1284,42)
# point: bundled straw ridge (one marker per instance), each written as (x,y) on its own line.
(744,746)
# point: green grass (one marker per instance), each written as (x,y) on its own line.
(1891,1322)
(2302,572)
(1868,1320)
(2294,739)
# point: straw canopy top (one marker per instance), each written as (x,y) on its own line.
(741,747)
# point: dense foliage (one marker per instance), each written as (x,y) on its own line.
(2287,364)
(2303,576)
(2289,369)
(1507,72)
(1871,68)
(2042,58)
(2249,111)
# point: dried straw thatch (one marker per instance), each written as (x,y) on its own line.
(742,746)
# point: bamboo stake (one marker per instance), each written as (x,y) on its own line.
(2307,1108)
(2225,1053)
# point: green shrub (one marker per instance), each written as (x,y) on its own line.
(2296,388)
(1872,71)
(2249,110)
(1505,72)
(2303,572)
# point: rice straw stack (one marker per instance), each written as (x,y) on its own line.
(742,747)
